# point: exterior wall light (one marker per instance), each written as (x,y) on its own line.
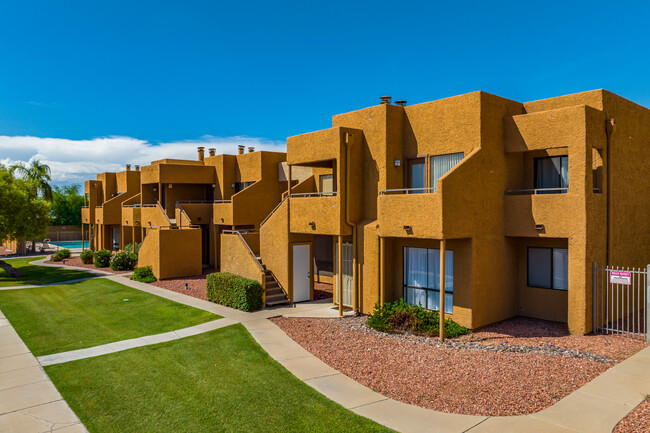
(312,224)
(539,226)
(397,163)
(170,186)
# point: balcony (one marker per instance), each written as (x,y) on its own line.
(197,211)
(542,214)
(88,215)
(415,212)
(131,215)
(192,172)
(318,214)
(248,207)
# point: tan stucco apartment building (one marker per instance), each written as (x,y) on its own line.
(521,198)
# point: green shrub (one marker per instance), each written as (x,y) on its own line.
(102,258)
(400,317)
(129,248)
(123,261)
(56,257)
(144,274)
(234,291)
(64,253)
(86,257)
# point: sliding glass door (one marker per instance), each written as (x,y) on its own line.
(422,278)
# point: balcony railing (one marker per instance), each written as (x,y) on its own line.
(314,194)
(133,205)
(536,191)
(195,201)
(221,201)
(407,191)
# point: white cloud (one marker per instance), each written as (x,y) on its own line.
(74,161)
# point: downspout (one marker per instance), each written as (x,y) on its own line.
(609,128)
(355,285)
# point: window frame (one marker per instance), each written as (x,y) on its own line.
(535,169)
(426,289)
(552,249)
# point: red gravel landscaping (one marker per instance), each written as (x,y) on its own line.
(76,261)
(322,291)
(637,421)
(196,286)
(477,374)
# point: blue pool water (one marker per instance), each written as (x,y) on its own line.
(70,244)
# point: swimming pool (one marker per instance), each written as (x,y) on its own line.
(70,244)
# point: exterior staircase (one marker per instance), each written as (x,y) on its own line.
(274,293)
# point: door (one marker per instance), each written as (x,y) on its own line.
(347,272)
(116,239)
(415,175)
(301,269)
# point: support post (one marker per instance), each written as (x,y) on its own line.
(339,276)
(442,289)
(382,282)
(647,300)
(82,236)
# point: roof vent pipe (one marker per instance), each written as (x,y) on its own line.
(401,102)
(251,149)
(240,149)
(128,167)
(212,151)
(201,153)
(385,99)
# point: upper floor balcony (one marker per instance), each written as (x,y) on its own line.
(131,211)
(192,172)
(247,207)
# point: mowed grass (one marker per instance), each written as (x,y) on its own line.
(38,274)
(55,319)
(219,381)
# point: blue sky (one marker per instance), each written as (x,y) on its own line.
(164,75)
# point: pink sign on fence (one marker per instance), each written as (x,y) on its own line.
(620,277)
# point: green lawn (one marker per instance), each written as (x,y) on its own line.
(60,318)
(219,381)
(38,274)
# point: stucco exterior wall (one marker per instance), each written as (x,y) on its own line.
(236,259)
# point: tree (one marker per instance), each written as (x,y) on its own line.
(66,205)
(37,175)
(23,215)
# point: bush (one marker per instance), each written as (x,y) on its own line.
(64,253)
(86,257)
(102,258)
(400,317)
(129,248)
(56,257)
(144,274)
(234,291)
(123,261)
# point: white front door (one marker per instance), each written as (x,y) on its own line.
(116,239)
(301,280)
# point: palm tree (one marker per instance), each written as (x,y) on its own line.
(37,175)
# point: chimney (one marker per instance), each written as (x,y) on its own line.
(251,149)
(385,99)
(201,153)
(212,151)
(128,167)
(401,102)
(137,168)
(240,149)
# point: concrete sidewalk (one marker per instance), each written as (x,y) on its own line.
(29,402)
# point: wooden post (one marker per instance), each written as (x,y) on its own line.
(82,236)
(339,276)
(442,289)
(382,282)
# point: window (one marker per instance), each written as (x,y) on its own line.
(415,174)
(422,278)
(239,186)
(326,183)
(552,172)
(441,164)
(548,268)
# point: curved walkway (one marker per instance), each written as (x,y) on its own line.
(596,407)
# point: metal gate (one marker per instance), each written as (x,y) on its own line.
(621,300)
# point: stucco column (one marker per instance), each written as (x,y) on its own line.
(442,289)
(82,236)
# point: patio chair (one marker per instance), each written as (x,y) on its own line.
(45,245)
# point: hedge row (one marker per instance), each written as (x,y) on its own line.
(234,291)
